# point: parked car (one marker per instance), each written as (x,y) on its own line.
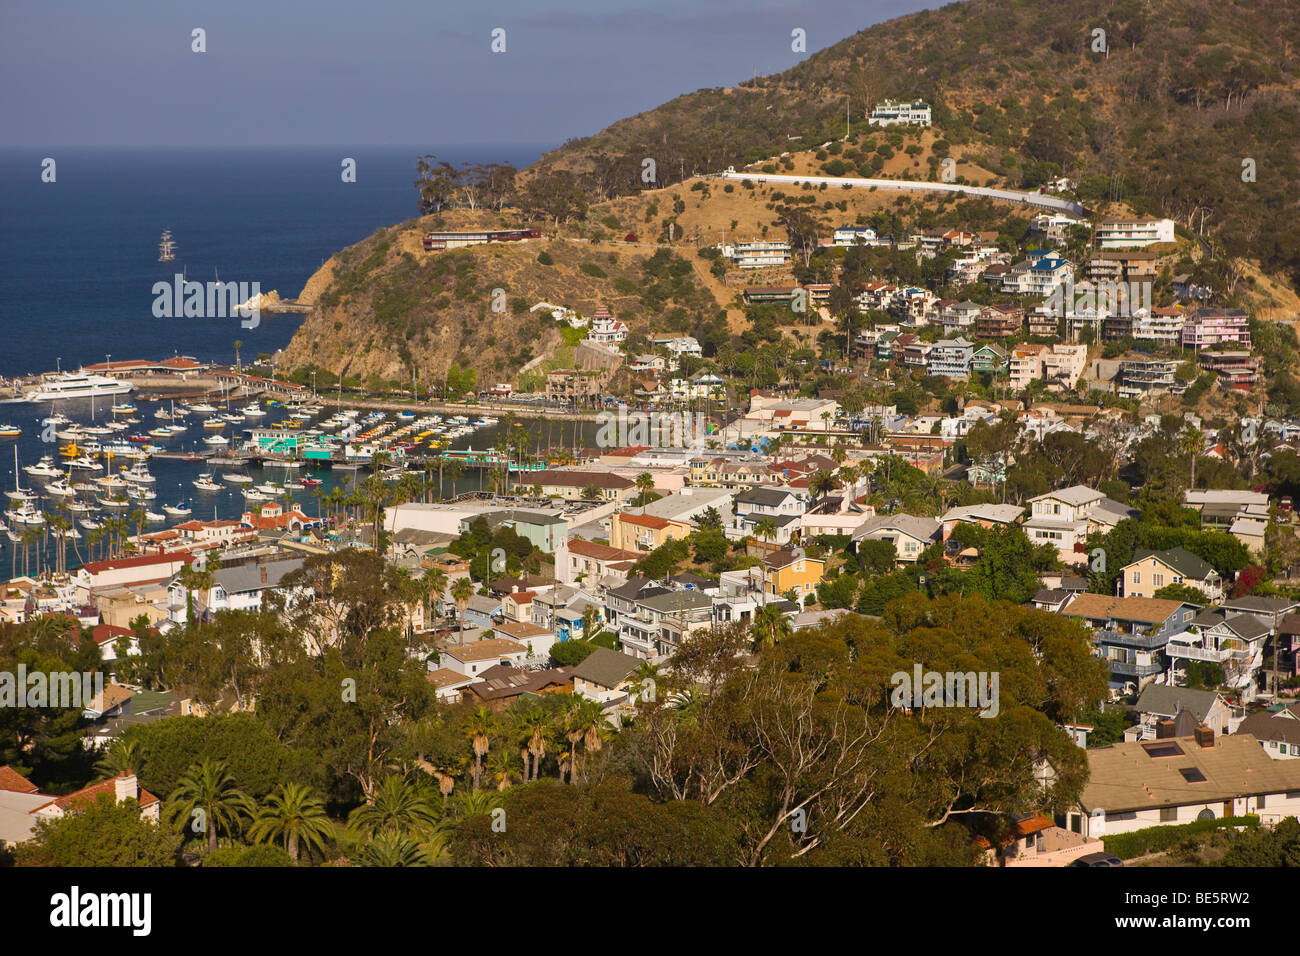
(1098,859)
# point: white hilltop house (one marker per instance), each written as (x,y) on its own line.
(561,313)
(900,113)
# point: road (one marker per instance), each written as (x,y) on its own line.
(1007,195)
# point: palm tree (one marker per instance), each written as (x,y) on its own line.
(396,806)
(393,850)
(461,591)
(822,483)
(238,345)
(770,626)
(765,529)
(645,484)
(208,794)
(435,586)
(295,814)
(122,756)
(482,725)
(584,724)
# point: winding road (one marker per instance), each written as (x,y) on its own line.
(1040,200)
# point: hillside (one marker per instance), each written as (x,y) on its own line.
(1186,90)
(385,307)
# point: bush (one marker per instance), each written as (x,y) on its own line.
(1126,846)
(545,259)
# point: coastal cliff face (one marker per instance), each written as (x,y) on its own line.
(385,308)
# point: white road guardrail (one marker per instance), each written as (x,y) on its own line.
(1007,195)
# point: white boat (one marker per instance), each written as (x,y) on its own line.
(114,504)
(214,422)
(178,510)
(89,524)
(110,483)
(237,479)
(26,513)
(270,489)
(60,489)
(141,493)
(252,494)
(295,486)
(123,408)
(154,517)
(77,385)
(203,408)
(253,410)
(81,508)
(85,463)
(45,468)
(20,494)
(284,463)
(139,474)
(205,483)
(218,440)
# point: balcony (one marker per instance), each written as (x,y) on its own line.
(1198,652)
(1144,642)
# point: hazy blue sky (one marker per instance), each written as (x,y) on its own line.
(121,72)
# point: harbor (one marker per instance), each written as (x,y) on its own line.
(85,470)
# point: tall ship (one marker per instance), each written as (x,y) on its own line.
(167,247)
(77,385)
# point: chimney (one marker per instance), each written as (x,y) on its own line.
(1164,729)
(1204,737)
(126,786)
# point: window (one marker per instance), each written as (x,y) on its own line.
(1163,748)
(1157,580)
(1192,774)
(1260,801)
(1168,814)
(1137,577)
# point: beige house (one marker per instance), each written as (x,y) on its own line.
(1149,571)
(642,533)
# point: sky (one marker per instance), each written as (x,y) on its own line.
(368,72)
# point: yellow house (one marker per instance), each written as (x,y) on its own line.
(643,532)
(792,569)
(1149,571)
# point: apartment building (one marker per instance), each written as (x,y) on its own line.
(759,254)
(1208,327)
(950,358)
(1122,233)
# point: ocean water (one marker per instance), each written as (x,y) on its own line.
(78,261)
(78,256)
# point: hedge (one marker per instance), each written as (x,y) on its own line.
(1126,846)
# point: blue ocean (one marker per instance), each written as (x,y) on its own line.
(79,259)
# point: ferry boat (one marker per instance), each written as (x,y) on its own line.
(205,483)
(45,468)
(77,385)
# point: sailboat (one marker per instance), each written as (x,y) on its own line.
(23,510)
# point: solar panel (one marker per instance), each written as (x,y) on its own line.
(1191,774)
